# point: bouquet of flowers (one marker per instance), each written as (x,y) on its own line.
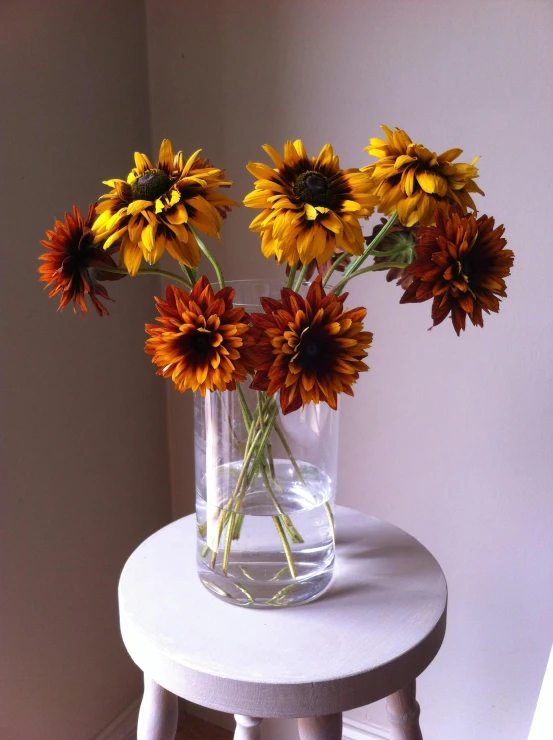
(293,350)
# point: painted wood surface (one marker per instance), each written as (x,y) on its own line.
(403,713)
(247,728)
(376,629)
(328,727)
(159,713)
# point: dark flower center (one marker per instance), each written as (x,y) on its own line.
(310,349)
(313,350)
(465,268)
(151,185)
(312,187)
(201,341)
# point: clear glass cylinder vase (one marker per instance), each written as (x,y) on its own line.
(265,491)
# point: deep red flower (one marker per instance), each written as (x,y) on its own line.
(310,349)
(73,263)
(460,264)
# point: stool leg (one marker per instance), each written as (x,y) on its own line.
(158,716)
(403,713)
(328,727)
(247,728)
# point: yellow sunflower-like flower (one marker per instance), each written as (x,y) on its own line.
(311,207)
(152,210)
(414,181)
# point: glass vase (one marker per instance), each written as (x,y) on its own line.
(265,491)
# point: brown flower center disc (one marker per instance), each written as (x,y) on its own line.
(151,185)
(312,187)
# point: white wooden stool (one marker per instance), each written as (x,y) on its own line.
(377,628)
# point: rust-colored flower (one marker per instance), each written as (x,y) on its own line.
(415,181)
(202,341)
(461,264)
(155,208)
(399,242)
(310,349)
(73,263)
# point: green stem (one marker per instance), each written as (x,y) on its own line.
(337,262)
(286,546)
(210,257)
(301,277)
(356,264)
(148,271)
(293,533)
(246,413)
(262,442)
(330,515)
(292,275)
(190,272)
(269,447)
(240,484)
(286,446)
(392,253)
(378,266)
(230,536)
(259,429)
(238,526)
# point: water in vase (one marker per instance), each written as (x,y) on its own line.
(275,546)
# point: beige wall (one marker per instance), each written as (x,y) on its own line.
(457,431)
(84,435)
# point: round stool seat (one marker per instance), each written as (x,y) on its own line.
(376,629)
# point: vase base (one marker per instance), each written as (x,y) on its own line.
(248,592)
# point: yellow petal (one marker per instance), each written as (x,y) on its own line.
(408,178)
(142,163)
(166,155)
(350,206)
(325,157)
(137,206)
(256,199)
(310,212)
(135,226)
(190,161)
(450,155)
(148,237)
(177,215)
(331,222)
(131,255)
(299,147)
(403,160)
(431,182)
(261,171)
(114,237)
(187,252)
(274,155)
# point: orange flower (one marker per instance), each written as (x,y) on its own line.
(311,349)
(73,263)
(461,264)
(203,341)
